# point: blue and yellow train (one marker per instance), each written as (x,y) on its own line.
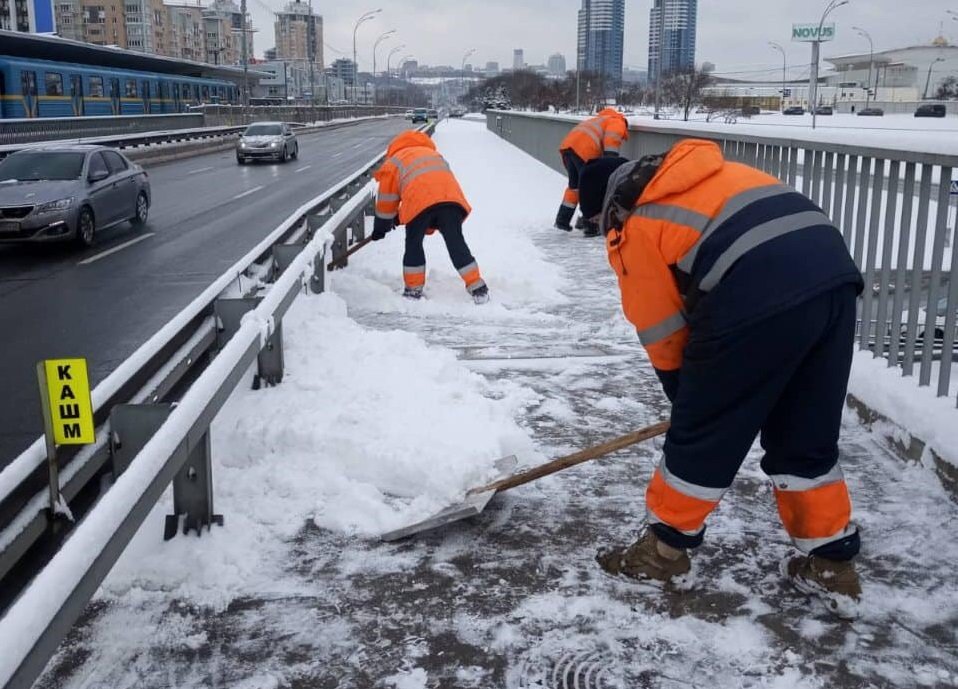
(41,88)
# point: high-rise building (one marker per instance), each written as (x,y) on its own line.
(518,59)
(103,22)
(602,39)
(27,16)
(187,32)
(492,69)
(345,70)
(677,36)
(299,34)
(223,25)
(556,65)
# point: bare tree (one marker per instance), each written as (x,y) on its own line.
(684,89)
(948,89)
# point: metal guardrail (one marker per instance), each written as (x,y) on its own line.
(146,442)
(20,131)
(892,206)
(222,115)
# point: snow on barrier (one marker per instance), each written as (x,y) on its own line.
(152,443)
(892,204)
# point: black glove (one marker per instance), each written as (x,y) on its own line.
(670,382)
(381,227)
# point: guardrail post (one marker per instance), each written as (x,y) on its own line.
(317,283)
(313,223)
(270,362)
(193,492)
(131,428)
(340,247)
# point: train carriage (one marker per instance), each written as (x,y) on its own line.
(41,88)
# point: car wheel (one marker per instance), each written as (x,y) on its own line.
(285,157)
(241,161)
(86,227)
(142,210)
(296,152)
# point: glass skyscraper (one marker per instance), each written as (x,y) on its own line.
(601,39)
(678,36)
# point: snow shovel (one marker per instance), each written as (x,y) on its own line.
(477,498)
(353,249)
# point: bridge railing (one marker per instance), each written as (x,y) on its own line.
(894,207)
(153,417)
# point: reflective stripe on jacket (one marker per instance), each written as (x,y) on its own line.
(414,178)
(604,133)
(719,245)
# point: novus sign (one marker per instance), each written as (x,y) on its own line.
(810,33)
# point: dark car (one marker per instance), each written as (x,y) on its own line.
(62,193)
(931,110)
(871,112)
(420,115)
(794,110)
(824,110)
(750,110)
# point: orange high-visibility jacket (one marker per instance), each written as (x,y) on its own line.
(413,178)
(722,244)
(603,133)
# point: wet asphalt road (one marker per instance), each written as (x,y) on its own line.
(207,213)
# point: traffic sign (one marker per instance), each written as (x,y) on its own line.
(67,407)
(954,187)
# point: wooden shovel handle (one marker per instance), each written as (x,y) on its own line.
(572,460)
(353,249)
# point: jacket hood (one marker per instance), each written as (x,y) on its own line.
(409,139)
(688,163)
(612,112)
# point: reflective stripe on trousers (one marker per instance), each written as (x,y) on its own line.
(570,199)
(679,504)
(414,276)
(470,275)
(814,511)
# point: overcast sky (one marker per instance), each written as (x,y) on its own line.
(733,34)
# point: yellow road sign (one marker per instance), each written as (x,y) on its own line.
(65,389)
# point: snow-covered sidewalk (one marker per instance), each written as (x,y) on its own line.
(392,408)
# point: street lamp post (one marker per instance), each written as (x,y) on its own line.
(928,80)
(382,37)
(658,67)
(389,59)
(362,20)
(871,63)
(816,52)
(780,49)
(462,73)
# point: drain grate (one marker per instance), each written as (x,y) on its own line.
(584,670)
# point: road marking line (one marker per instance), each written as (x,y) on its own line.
(359,144)
(248,192)
(120,247)
(305,167)
(336,155)
(202,169)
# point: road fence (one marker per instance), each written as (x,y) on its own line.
(153,417)
(893,206)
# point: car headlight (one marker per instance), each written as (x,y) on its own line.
(61,205)
(274,144)
(242,144)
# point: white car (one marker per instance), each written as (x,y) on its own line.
(940,312)
(409,114)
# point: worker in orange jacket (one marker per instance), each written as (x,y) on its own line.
(744,295)
(601,135)
(417,189)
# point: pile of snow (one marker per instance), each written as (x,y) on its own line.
(925,415)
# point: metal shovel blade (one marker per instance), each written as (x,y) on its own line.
(472,505)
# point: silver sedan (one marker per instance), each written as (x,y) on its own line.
(63,193)
(267,140)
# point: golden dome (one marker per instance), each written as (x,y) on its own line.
(940,42)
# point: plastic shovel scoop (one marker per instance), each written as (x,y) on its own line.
(476,499)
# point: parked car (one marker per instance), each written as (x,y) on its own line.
(457,112)
(931,110)
(433,114)
(263,140)
(871,112)
(794,110)
(824,110)
(409,114)
(63,193)
(941,310)
(420,115)
(747,110)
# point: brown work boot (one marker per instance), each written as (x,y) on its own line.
(647,558)
(834,582)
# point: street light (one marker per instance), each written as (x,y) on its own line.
(816,51)
(871,62)
(462,72)
(379,40)
(362,20)
(780,49)
(928,81)
(389,59)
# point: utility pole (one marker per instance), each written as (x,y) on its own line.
(871,63)
(311,53)
(780,49)
(379,40)
(816,52)
(245,57)
(660,60)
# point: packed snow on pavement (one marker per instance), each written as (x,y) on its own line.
(391,408)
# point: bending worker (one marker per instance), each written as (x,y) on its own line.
(417,188)
(744,296)
(593,138)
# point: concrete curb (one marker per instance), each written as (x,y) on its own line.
(906,446)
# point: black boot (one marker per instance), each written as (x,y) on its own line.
(580,223)
(591,229)
(564,218)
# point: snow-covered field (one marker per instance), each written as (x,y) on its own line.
(392,408)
